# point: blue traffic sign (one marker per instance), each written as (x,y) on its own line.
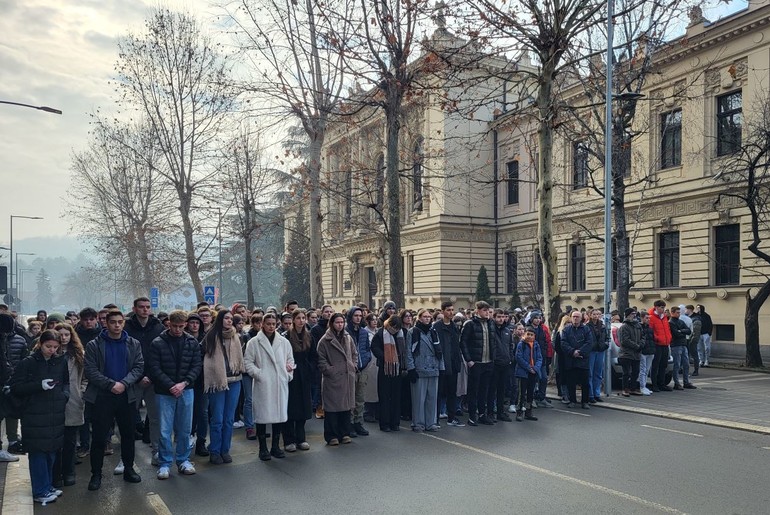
(154,297)
(209,294)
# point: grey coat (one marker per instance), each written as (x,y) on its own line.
(337,363)
(421,356)
(630,338)
(73,411)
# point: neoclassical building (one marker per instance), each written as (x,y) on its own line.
(468,189)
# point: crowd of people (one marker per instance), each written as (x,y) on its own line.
(197,376)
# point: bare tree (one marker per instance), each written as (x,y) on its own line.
(175,78)
(296,50)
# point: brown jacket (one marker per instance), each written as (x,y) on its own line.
(337,363)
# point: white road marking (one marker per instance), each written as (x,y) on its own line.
(673,431)
(560,476)
(157,504)
(572,412)
(765,378)
(768,448)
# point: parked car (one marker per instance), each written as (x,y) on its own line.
(617,370)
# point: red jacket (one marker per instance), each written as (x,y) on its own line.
(660,329)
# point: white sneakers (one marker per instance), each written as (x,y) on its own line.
(163,473)
(187,468)
(119,469)
(45,499)
(6,456)
(646,391)
(238,424)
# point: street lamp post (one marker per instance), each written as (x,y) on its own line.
(17,264)
(10,258)
(21,273)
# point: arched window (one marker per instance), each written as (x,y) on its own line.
(417,177)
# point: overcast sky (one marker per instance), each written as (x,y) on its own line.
(58,53)
(61,53)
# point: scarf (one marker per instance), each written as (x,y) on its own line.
(394,348)
(300,342)
(225,365)
(531,353)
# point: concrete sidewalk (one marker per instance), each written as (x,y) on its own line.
(728,398)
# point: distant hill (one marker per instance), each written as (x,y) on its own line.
(67,247)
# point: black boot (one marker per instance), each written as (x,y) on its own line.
(528,413)
(200,448)
(264,454)
(519,417)
(276,450)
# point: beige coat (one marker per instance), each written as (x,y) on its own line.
(337,363)
(73,411)
(266,364)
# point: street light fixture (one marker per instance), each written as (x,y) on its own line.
(10,258)
(39,108)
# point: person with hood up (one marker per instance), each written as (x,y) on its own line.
(357,331)
(337,358)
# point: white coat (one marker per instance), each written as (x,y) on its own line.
(266,364)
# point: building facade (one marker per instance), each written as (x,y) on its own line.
(469,191)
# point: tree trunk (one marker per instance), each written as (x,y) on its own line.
(751,325)
(551,290)
(314,225)
(622,244)
(147,278)
(395,266)
(189,247)
(249,271)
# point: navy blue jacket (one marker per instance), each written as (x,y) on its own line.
(523,359)
(577,338)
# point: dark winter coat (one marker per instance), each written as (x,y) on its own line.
(42,419)
(472,339)
(449,336)
(505,352)
(630,338)
(145,335)
(86,335)
(579,338)
(361,339)
(697,327)
(707,325)
(679,332)
(94,367)
(300,406)
(523,356)
(173,360)
(648,341)
(16,349)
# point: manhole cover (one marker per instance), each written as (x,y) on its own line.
(716,388)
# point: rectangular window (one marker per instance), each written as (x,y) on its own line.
(671,139)
(512,179)
(579,165)
(729,123)
(727,254)
(578,266)
(668,249)
(724,332)
(511,272)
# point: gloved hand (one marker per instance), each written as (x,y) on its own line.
(47,384)
(412,375)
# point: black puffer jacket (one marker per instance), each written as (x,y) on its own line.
(472,339)
(16,350)
(505,353)
(648,340)
(679,332)
(145,335)
(173,360)
(42,419)
(449,336)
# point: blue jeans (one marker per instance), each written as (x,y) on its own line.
(221,413)
(175,414)
(542,381)
(681,360)
(248,414)
(595,374)
(41,472)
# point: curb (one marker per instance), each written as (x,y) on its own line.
(727,424)
(18,498)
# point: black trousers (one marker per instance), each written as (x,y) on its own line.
(574,377)
(277,430)
(527,391)
(389,393)
(479,377)
(294,432)
(630,373)
(447,389)
(336,425)
(64,464)
(107,409)
(659,364)
(692,348)
(496,395)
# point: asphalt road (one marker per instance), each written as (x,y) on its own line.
(596,461)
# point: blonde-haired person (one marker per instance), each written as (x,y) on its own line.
(74,354)
(424,362)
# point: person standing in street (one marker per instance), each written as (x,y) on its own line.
(144,327)
(704,346)
(630,338)
(662,335)
(337,358)
(300,408)
(504,356)
(596,362)
(529,361)
(223,367)
(360,337)
(679,334)
(477,344)
(449,336)
(42,380)
(543,339)
(577,343)
(73,353)
(113,366)
(173,365)
(424,362)
(692,345)
(389,348)
(317,332)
